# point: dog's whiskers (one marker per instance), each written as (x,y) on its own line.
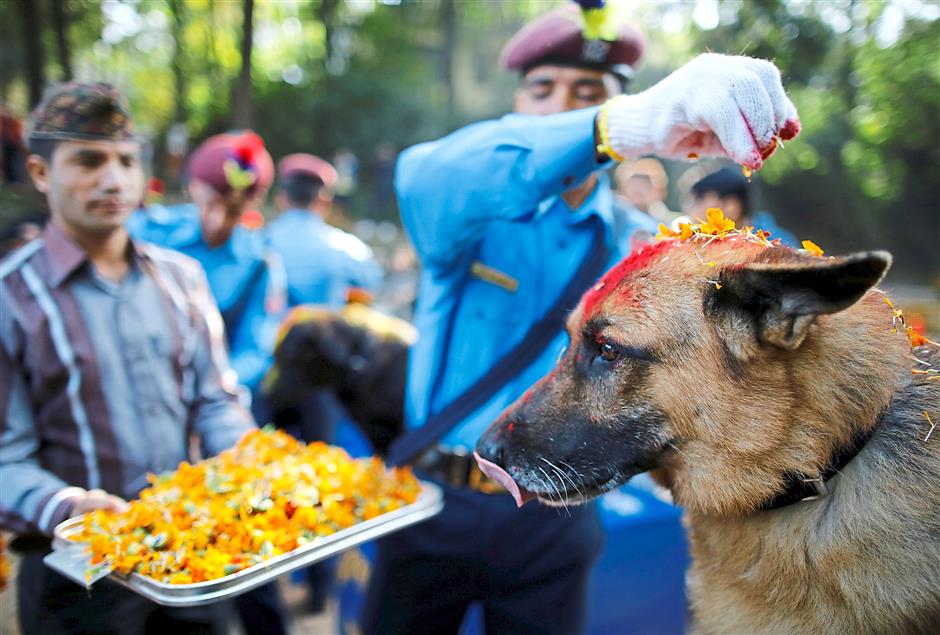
(576,473)
(561,498)
(548,494)
(561,473)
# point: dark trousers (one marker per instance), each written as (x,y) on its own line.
(262,611)
(528,568)
(50,604)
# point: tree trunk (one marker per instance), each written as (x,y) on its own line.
(35,59)
(217,80)
(448,24)
(326,13)
(180,85)
(241,98)
(60,22)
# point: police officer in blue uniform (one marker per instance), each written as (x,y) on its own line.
(512,220)
(323,262)
(228,174)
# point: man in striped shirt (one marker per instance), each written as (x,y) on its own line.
(111,355)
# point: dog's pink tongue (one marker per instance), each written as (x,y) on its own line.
(498,474)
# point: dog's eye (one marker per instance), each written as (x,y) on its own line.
(608,352)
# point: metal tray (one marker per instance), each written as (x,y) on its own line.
(70,559)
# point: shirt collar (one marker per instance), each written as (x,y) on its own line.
(65,256)
(190,234)
(62,253)
(599,202)
(296,212)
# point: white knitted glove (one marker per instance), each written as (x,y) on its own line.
(716,105)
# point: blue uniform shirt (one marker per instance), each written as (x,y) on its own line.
(247,281)
(766,221)
(322,261)
(497,245)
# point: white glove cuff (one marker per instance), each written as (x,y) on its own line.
(626,121)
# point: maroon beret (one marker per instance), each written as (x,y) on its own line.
(233,162)
(309,164)
(557,38)
(94,112)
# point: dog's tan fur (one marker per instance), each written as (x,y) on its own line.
(744,404)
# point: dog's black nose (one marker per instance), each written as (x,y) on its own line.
(491,448)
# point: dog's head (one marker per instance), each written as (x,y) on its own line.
(722,364)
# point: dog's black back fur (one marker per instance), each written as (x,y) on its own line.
(365,369)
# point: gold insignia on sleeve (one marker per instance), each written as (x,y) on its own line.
(494,276)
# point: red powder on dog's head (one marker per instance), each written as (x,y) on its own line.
(636,261)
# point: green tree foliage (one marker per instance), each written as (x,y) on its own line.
(331,74)
(863,173)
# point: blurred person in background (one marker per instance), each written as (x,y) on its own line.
(729,190)
(347,176)
(12,150)
(644,186)
(322,262)
(382,175)
(21,231)
(512,220)
(111,356)
(229,174)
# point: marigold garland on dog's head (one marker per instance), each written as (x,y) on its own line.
(717,226)
(266,496)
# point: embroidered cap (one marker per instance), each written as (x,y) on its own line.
(77,111)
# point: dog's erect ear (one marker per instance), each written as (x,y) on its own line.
(779,302)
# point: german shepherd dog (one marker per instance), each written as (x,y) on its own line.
(739,371)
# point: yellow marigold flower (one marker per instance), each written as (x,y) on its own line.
(716,223)
(812,248)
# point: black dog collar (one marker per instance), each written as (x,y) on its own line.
(799,487)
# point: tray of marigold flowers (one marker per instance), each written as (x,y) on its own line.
(225,525)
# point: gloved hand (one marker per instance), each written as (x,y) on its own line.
(716,105)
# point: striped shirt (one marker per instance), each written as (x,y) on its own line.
(102,382)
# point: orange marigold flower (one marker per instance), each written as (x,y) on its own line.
(916,338)
(264,497)
(4,565)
